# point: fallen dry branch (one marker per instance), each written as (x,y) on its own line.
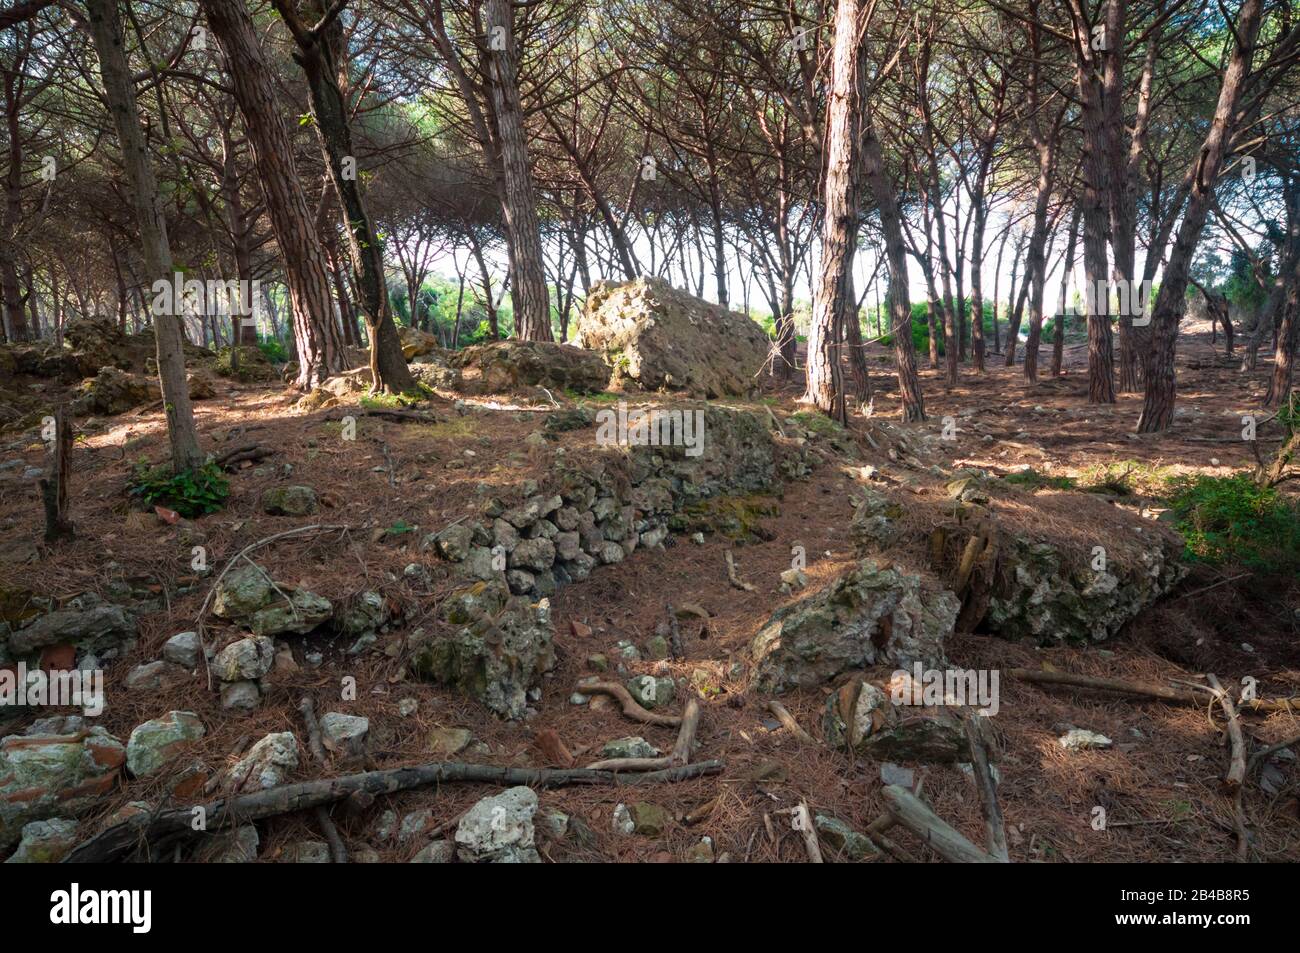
(157,834)
(631,708)
(1237,764)
(681,753)
(995,829)
(675,635)
(1158,692)
(909,811)
(338,852)
(252,452)
(1233,781)
(787,721)
(733,578)
(400,416)
(801,821)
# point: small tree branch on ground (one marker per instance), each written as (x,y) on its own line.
(733,578)
(947,841)
(156,834)
(631,707)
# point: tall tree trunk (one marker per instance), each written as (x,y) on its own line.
(319,347)
(119,89)
(900,304)
(825,383)
(1161,383)
(1096,212)
(1284,351)
(323,60)
(532,303)
(1058,339)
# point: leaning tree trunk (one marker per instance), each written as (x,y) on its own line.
(1058,338)
(528,292)
(319,347)
(321,57)
(832,296)
(1279,386)
(1161,384)
(119,89)
(900,304)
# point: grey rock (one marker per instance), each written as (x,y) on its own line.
(633,746)
(45,842)
(658,337)
(245,659)
(87,622)
(184,649)
(154,743)
(344,735)
(866,617)
(493,647)
(454,542)
(438,852)
(306,852)
(304,612)
(651,692)
(240,696)
(499,829)
(229,847)
(156,676)
(44,776)
(241,592)
(289,501)
(266,765)
(535,554)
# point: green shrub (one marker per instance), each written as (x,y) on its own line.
(191,493)
(421,391)
(1034,480)
(1233,520)
(273,349)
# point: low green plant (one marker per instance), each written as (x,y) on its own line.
(408,398)
(1034,480)
(1235,521)
(273,349)
(190,493)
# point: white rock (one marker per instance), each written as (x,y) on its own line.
(266,764)
(499,829)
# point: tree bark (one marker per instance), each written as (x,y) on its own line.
(900,305)
(1058,338)
(839,207)
(323,60)
(119,89)
(1161,384)
(1096,212)
(316,337)
(528,292)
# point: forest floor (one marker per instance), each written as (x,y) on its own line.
(1159,784)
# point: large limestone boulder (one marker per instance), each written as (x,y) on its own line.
(1046,593)
(417,343)
(660,338)
(491,645)
(86,621)
(114,391)
(870,615)
(509,365)
(436,370)
(44,776)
